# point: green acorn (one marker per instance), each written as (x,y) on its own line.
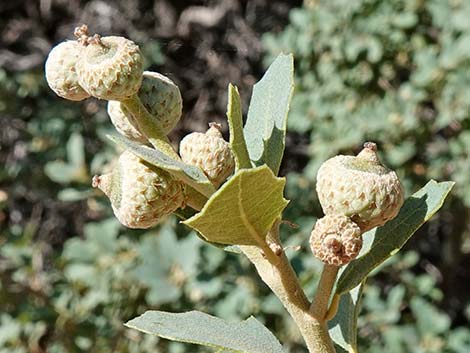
(210,152)
(61,75)
(360,187)
(121,122)
(162,99)
(109,67)
(140,194)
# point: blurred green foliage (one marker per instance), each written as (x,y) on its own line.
(392,71)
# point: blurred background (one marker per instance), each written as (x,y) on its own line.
(393,71)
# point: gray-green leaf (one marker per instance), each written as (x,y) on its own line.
(243,210)
(191,175)
(343,327)
(249,336)
(265,128)
(235,121)
(383,242)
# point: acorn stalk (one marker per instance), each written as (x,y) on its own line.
(144,122)
(161,98)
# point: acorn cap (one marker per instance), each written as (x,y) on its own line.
(210,152)
(360,187)
(335,240)
(109,67)
(140,194)
(162,99)
(61,75)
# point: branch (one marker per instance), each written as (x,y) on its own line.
(280,277)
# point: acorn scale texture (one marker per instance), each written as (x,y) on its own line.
(61,74)
(360,187)
(110,68)
(210,152)
(140,193)
(162,99)
(335,240)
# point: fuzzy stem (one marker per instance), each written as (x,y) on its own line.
(145,123)
(282,280)
(276,271)
(319,307)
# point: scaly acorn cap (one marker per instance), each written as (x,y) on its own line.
(140,193)
(109,67)
(61,75)
(162,99)
(335,240)
(360,187)
(210,152)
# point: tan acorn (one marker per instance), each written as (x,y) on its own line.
(162,99)
(360,187)
(210,152)
(121,122)
(61,75)
(140,194)
(109,67)
(335,240)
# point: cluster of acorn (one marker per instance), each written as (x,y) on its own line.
(357,193)
(111,68)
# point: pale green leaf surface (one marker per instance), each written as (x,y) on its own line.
(383,242)
(243,210)
(191,175)
(248,336)
(235,122)
(62,172)
(343,327)
(76,150)
(265,128)
(160,256)
(71,195)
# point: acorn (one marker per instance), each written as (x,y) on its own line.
(335,240)
(140,194)
(61,75)
(162,99)
(109,67)
(121,122)
(210,152)
(360,187)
